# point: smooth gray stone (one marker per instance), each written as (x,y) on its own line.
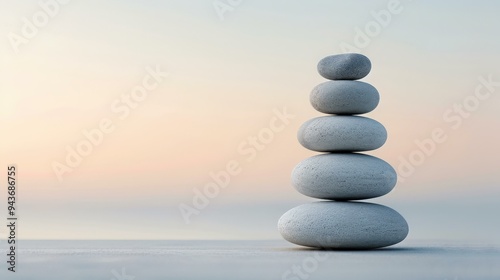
(343,177)
(344,97)
(349,66)
(343,225)
(342,134)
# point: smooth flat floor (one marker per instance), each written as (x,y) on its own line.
(273,259)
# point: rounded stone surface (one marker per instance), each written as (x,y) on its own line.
(343,225)
(342,134)
(349,66)
(344,97)
(343,177)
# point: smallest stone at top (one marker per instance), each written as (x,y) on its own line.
(349,66)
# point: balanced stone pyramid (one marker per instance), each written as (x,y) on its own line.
(340,175)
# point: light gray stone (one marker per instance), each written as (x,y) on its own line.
(344,97)
(342,134)
(349,66)
(343,177)
(343,225)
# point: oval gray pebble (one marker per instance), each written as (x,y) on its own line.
(344,97)
(342,134)
(349,66)
(343,177)
(343,225)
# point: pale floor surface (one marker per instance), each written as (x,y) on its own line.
(273,259)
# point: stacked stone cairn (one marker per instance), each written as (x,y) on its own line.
(340,174)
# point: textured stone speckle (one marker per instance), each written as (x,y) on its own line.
(344,97)
(343,225)
(344,177)
(349,66)
(342,134)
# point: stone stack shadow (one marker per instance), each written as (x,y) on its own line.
(340,175)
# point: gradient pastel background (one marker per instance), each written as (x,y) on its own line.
(226,77)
